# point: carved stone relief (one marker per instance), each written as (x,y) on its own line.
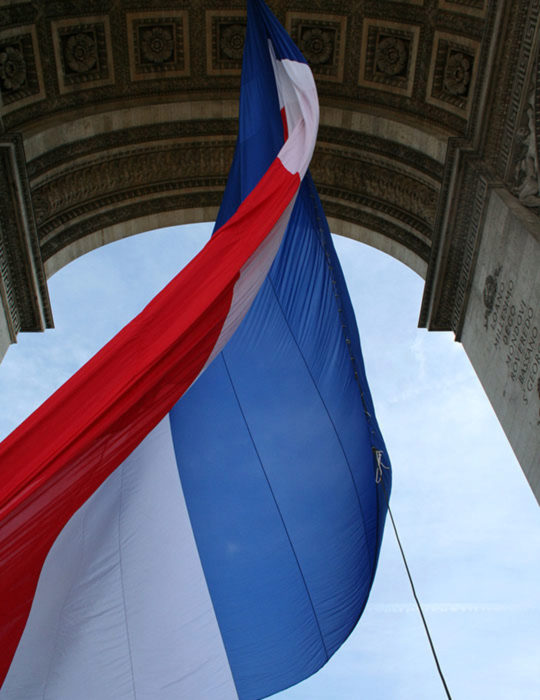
(406,198)
(513,85)
(225,34)
(83,53)
(526,173)
(525,158)
(203,195)
(388,60)
(512,326)
(20,69)
(452,73)
(12,68)
(158,44)
(88,186)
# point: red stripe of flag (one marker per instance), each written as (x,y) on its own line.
(53,462)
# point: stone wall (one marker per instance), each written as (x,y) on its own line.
(501,332)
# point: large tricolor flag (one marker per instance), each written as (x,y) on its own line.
(222,545)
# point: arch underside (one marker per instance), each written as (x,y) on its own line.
(122,120)
(89,191)
(125,119)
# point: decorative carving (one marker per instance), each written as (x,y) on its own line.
(83,53)
(405,198)
(209,195)
(389,56)
(470,225)
(457,248)
(75,8)
(83,188)
(512,84)
(317,45)
(526,178)
(321,38)
(392,55)
(8,288)
(225,35)
(457,73)
(80,52)
(490,292)
(158,44)
(20,70)
(405,159)
(94,147)
(452,73)
(231,41)
(22,279)
(12,68)
(200,55)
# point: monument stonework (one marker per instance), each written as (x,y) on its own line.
(119,116)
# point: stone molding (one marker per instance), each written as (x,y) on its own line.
(73,183)
(465,189)
(23,288)
(518,43)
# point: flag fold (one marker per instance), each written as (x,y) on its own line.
(194,513)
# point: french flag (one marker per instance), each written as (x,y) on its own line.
(195,513)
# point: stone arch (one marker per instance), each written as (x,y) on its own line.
(96,192)
(124,118)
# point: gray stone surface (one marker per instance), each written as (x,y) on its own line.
(5,339)
(501,334)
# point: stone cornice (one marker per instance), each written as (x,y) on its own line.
(23,286)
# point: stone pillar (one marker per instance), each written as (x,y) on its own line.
(24,300)
(501,328)
(483,283)
(5,336)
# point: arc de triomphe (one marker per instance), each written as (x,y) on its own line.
(119,116)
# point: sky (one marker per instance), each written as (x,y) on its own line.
(468,521)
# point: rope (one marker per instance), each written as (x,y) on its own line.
(379,480)
(380,467)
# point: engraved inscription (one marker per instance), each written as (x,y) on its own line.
(513,326)
(523,348)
